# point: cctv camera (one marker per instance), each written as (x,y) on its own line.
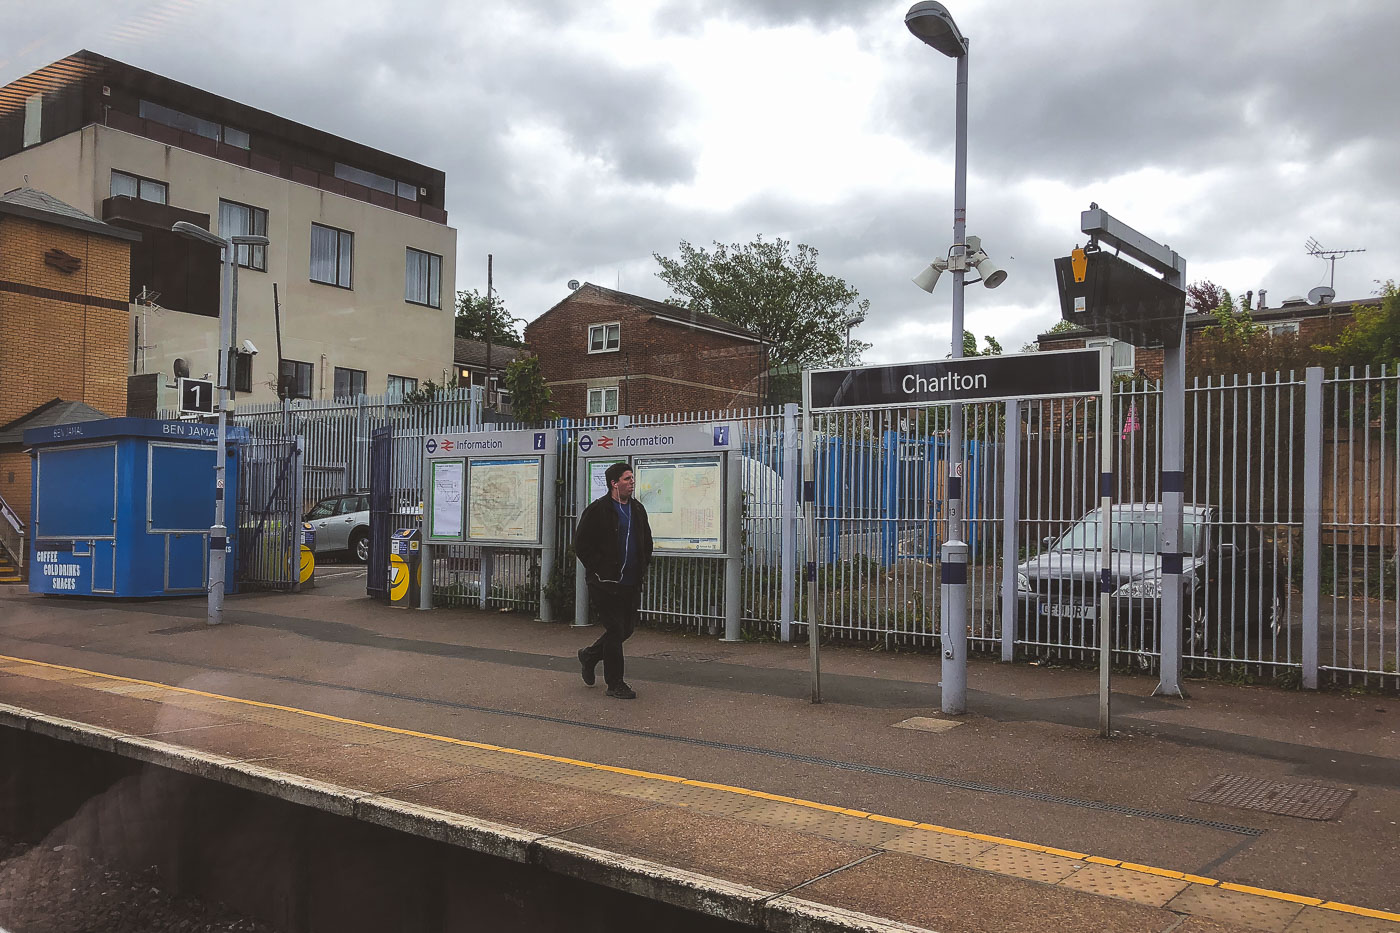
(248,347)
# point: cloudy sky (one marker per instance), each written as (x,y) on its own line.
(579,138)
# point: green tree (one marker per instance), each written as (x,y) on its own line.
(774,291)
(1373,335)
(476,318)
(993,347)
(530,397)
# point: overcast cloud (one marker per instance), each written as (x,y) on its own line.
(579,138)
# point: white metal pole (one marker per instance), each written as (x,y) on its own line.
(1105,536)
(809,521)
(953,565)
(218,533)
(734,552)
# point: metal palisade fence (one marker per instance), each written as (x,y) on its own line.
(1292,533)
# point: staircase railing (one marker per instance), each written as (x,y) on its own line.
(13,535)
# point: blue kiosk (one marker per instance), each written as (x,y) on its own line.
(122,507)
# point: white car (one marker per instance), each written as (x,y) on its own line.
(341,523)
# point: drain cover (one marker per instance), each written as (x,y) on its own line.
(1308,801)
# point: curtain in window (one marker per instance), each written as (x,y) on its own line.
(422,278)
(343,272)
(323,252)
(123,185)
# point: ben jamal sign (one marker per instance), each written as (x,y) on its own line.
(972,379)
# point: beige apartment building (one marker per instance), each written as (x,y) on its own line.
(360,251)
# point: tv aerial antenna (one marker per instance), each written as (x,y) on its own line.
(1315,248)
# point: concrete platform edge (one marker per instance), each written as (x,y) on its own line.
(764,910)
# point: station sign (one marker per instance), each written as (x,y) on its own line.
(1051,374)
(622,443)
(196,396)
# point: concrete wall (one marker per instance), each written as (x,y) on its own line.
(368,327)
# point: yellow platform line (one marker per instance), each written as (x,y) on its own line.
(746,792)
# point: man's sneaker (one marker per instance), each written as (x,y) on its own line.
(587,670)
(622,692)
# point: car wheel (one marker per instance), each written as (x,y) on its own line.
(359,546)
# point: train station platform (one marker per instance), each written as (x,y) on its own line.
(722,790)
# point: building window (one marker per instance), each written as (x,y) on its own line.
(349,383)
(331,255)
(1124,354)
(296,379)
(603,338)
(243,372)
(422,278)
(399,386)
(159,113)
(602,401)
(1282,328)
(241,220)
(359,176)
(133,186)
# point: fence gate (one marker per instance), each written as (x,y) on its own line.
(269,512)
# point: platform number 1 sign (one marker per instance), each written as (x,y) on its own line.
(196,396)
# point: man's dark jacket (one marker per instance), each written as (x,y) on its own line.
(595,540)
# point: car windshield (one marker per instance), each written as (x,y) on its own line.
(1136,534)
(323,509)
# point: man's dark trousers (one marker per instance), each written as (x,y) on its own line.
(616,605)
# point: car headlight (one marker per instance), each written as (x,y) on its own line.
(1140,589)
(1023,583)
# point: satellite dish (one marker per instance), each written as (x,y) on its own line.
(1322,295)
(182,368)
(573,285)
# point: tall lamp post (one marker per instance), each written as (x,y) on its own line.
(931,24)
(855,320)
(228,316)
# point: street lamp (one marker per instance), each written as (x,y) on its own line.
(855,320)
(228,315)
(931,24)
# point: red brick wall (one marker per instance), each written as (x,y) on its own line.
(658,367)
(59,347)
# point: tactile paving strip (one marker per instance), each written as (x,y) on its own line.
(1259,913)
(1307,801)
(956,850)
(1125,885)
(823,823)
(1026,863)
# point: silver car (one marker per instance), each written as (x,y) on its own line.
(341,523)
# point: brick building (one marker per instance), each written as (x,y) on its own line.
(607,352)
(1314,324)
(469,359)
(64,280)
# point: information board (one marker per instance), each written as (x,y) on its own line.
(504,504)
(684,499)
(598,478)
(448,481)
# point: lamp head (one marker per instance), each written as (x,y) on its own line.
(933,25)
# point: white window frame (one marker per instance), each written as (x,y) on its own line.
(1280,328)
(601,393)
(592,328)
(1093,343)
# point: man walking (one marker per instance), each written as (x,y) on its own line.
(613,542)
